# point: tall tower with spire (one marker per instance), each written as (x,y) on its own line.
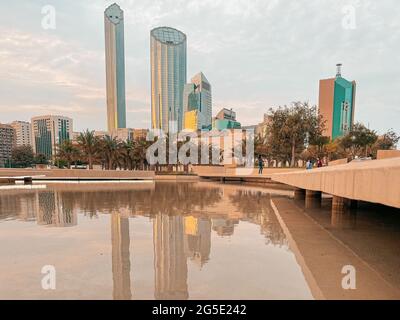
(115,67)
(337,97)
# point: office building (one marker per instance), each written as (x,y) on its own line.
(23,133)
(115,67)
(337,104)
(225,119)
(168,77)
(49,132)
(7,141)
(197,97)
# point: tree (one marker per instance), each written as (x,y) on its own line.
(108,148)
(387,141)
(89,145)
(67,152)
(41,158)
(22,156)
(291,128)
(359,141)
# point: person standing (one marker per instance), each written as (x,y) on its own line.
(309,165)
(260,164)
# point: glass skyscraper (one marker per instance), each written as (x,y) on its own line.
(168,76)
(115,67)
(197,103)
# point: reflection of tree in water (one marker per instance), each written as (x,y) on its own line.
(256,208)
(170,199)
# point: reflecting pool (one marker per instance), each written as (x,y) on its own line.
(147,240)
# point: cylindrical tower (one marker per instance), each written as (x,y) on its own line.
(168,76)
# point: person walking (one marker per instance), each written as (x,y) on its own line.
(309,165)
(260,164)
(319,163)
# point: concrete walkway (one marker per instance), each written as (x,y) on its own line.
(322,258)
(374,181)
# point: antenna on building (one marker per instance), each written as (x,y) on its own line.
(338,70)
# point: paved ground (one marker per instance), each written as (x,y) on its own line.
(322,256)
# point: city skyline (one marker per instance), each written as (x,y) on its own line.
(65,70)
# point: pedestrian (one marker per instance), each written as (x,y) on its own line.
(309,164)
(319,163)
(260,164)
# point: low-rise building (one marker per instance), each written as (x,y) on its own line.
(225,119)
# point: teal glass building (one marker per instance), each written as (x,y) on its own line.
(337,105)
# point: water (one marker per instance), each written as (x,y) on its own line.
(145,241)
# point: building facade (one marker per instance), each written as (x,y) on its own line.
(7,142)
(197,96)
(168,77)
(49,132)
(337,105)
(226,119)
(115,67)
(23,133)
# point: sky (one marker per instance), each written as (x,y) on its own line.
(256,54)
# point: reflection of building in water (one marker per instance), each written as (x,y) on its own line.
(224,227)
(27,207)
(198,239)
(169,258)
(18,204)
(54,209)
(121,265)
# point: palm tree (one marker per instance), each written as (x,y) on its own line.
(139,153)
(88,143)
(67,152)
(108,150)
(126,153)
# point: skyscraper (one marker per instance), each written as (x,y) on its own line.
(337,104)
(197,103)
(7,140)
(115,67)
(49,132)
(23,133)
(168,76)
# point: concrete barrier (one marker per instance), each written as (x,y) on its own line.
(374,181)
(388,154)
(78,174)
(338,162)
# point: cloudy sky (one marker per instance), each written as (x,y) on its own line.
(256,54)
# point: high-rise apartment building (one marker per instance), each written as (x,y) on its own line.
(23,133)
(168,77)
(7,142)
(49,132)
(197,103)
(337,104)
(115,67)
